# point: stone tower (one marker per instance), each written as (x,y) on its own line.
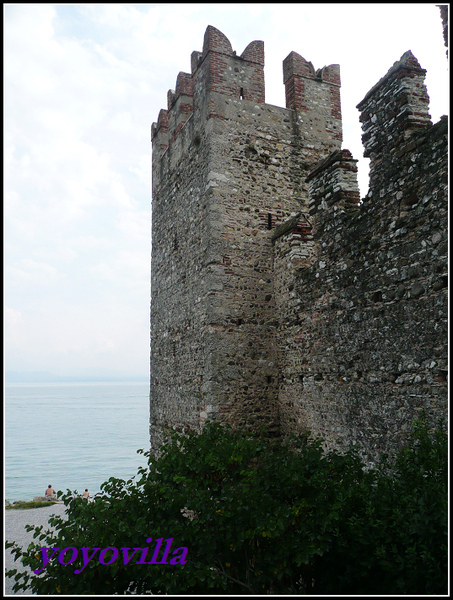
(280,299)
(228,171)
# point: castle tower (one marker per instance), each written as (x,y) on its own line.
(228,169)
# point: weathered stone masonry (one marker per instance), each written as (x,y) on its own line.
(278,298)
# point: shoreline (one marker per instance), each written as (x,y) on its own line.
(37,499)
(44,499)
(30,504)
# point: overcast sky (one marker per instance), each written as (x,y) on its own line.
(83,84)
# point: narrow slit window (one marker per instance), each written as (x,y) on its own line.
(241,94)
(269,221)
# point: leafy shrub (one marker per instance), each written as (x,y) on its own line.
(394,540)
(258,516)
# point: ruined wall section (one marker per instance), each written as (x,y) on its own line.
(392,111)
(366,320)
(223,180)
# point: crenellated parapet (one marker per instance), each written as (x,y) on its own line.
(179,109)
(218,73)
(220,70)
(217,69)
(160,129)
(180,103)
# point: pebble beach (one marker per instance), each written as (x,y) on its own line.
(15,522)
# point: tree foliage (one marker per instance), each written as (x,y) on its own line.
(259,516)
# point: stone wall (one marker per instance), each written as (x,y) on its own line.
(279,298)
(364,322)
(444,8)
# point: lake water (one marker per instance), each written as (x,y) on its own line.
(73,435)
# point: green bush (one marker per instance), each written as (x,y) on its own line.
(394,539)
(257,517)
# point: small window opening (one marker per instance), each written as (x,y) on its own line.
(241,94)
(443,375)
(377,296)
(269,379)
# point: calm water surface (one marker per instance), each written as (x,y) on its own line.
(73,435)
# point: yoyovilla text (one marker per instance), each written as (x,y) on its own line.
(107,556)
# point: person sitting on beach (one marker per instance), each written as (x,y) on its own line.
(50,491)
(86,493)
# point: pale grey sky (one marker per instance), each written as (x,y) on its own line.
(83,84)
